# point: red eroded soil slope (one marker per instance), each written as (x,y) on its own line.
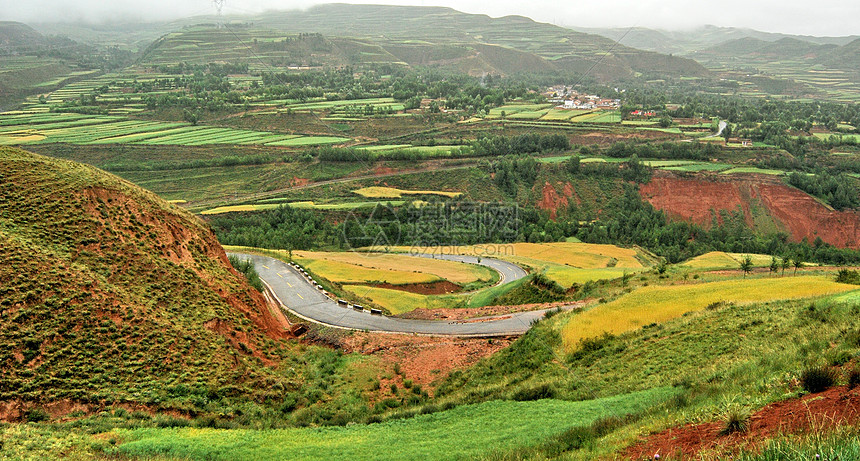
(824,410)
(764,201)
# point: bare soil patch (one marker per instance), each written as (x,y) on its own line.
(421,359)
(836,406)
(700,200)
(435,288)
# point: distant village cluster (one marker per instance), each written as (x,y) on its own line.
(568,98)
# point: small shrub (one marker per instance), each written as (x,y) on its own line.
(407,383)
(814,380)
(543,391)
(36,415)
(848,276)
(736,421)
(854,378)
(839,357)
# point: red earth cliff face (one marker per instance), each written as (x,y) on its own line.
(700,199)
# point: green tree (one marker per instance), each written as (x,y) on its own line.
(786,262)
(573,165)
(747,265)
(797,265)
(774,265)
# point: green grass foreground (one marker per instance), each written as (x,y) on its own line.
(464,432)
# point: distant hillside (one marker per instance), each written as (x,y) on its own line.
(18,38)
(700,38)
(845,57)
(111,294)
(419,35)
(784,48)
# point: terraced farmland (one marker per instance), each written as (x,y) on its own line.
(20,129)
(304,205)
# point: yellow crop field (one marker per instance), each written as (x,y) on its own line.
(564,262)
(391,192)
(398,302)
(234,208)
(719,259)
(655,304)
(567,276)
(574,254)
(449,270)
(579,255)
(341,272)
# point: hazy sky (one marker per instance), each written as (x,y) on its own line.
(822,17)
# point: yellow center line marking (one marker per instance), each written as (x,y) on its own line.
(290,284)
(265,266)
(300,296)
(279,275)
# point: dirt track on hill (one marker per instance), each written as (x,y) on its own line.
(762,199)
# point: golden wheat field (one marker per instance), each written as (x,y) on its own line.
(341,272)
(655,304)
(564,262)
(391,192)
(721,260)
(455,272)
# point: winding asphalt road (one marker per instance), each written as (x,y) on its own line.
(297,294)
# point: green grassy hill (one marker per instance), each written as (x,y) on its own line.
(417,35)
(110,294)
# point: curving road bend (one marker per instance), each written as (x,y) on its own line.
(297,294)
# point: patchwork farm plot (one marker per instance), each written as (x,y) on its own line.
(302,205)
(408,280)
(566,263)
(550,113)
(16,129)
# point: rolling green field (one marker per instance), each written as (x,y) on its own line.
(465,432)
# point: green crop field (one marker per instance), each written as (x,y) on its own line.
(450,434)
(17,129)
(753,170)
(399,302)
